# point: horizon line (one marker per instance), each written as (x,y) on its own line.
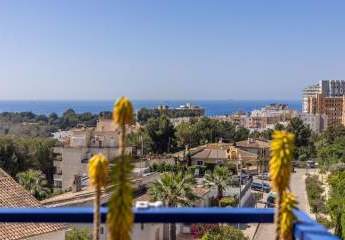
(145,99)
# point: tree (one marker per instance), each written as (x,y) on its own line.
(302,138)
(35,182)
(336,202)
(224,232)
(162,133)
(173,189)
(186,134)
(144,114)
(330,154)
(206,130)
(279,127)
(220,178)
(78,234)
(332,133)
(141,137)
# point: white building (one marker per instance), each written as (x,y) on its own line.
(316,122)
(82,143)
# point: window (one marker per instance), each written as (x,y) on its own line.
(57,183)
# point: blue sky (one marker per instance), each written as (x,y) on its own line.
(168,49)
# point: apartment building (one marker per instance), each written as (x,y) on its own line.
(80,145)
(317,122)
(327,97)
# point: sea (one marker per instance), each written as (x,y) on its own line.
(212,107)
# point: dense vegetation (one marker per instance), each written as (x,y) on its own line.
(160,136)
(224,232)
(34,182)
(21,154)
(34,125)
(206,130)
(144,114)
(216,231)
(336,202)
(331,147)
(330,151)
(315,194)
(78,234)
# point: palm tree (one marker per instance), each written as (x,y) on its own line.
(173,189)
(35,182)
(220,178)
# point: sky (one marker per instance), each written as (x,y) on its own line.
(156,49)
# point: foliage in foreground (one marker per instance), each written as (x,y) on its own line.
(173,189)
(314,192)
(336,202)
(219,178)
(120,216)
(282,151)
(78,234)
(34,182)
(224,232)
(21,154)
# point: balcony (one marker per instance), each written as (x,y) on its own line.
(304,228)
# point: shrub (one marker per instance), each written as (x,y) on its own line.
(228,202)
(78,234)
(314,193)
(324,221)
(257,196)
(198,230)
(224,232)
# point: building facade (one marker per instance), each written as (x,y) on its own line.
(317,122)
(326,98)
(72,157)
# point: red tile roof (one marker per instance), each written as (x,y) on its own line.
(14,195)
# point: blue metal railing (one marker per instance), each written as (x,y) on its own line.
(305,227)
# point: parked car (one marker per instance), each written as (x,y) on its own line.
(264,176)
(244,179)
(262,187)
(311,164)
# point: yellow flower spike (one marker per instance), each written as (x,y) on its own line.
(281,157)
(98,178)
(123,112)
(282,148)
(287,218)
(120,216)
(98,170)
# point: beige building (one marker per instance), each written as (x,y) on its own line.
(76,150)
(261,119)
(269,116)
(222,154)
(259,147)
(13,195)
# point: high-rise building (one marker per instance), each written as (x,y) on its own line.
(327,97)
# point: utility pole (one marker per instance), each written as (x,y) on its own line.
(239,168)
(168,144)
(142,155)
(142,145)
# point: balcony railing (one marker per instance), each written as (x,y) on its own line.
(304,228)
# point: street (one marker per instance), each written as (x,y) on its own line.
(297,184)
